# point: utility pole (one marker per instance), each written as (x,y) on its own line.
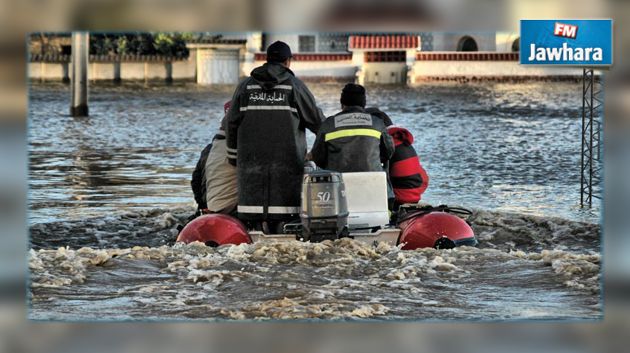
(79,80)
(591,161)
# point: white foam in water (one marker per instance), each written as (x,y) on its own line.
(341,279)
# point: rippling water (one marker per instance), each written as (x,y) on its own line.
(112,187)
(511,147)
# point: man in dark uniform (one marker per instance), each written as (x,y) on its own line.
(353,140)
(266,136)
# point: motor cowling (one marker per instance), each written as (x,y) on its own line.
(215,230)
(324,213)
(438,230)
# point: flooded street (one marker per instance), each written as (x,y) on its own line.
(106,193)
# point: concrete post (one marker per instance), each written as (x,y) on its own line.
(409,62)
(253,46)
(79,79)
(358,60)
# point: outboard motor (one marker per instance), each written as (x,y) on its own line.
(324,212)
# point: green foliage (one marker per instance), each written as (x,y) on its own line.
(122,45)
(170,44)
(140,43)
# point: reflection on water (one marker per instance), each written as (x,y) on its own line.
(510,147)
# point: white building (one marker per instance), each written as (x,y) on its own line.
(334,42)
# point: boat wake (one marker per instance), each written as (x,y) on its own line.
(128,267)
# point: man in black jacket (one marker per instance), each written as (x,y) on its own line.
(353,140)
(266,137)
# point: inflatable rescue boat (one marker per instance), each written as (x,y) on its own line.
(336,205)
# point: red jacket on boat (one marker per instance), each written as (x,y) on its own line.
(406,174)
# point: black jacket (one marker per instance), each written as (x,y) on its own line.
(198,181)
(266,135)
(353,141)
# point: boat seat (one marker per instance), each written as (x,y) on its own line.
(366,194)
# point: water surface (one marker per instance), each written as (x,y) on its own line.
(499,146)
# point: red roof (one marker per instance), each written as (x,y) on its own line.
(466,56)
(311,56)
(383,42)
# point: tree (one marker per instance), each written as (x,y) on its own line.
(171,44)
(102,44)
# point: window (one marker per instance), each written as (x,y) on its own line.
(307,44)
(385,56)
(467,43)
(516,44)
(332,42)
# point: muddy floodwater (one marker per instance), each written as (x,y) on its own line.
(107,191)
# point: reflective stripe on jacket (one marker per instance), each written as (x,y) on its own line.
(352,141)
(266,138)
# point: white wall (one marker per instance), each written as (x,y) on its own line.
(216,66)
(292,39)
(448,41)
(387,73)
(49,71)
(320,69)
(182,69)
(505,40)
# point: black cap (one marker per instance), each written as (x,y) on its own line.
(353,95)
(278,52)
